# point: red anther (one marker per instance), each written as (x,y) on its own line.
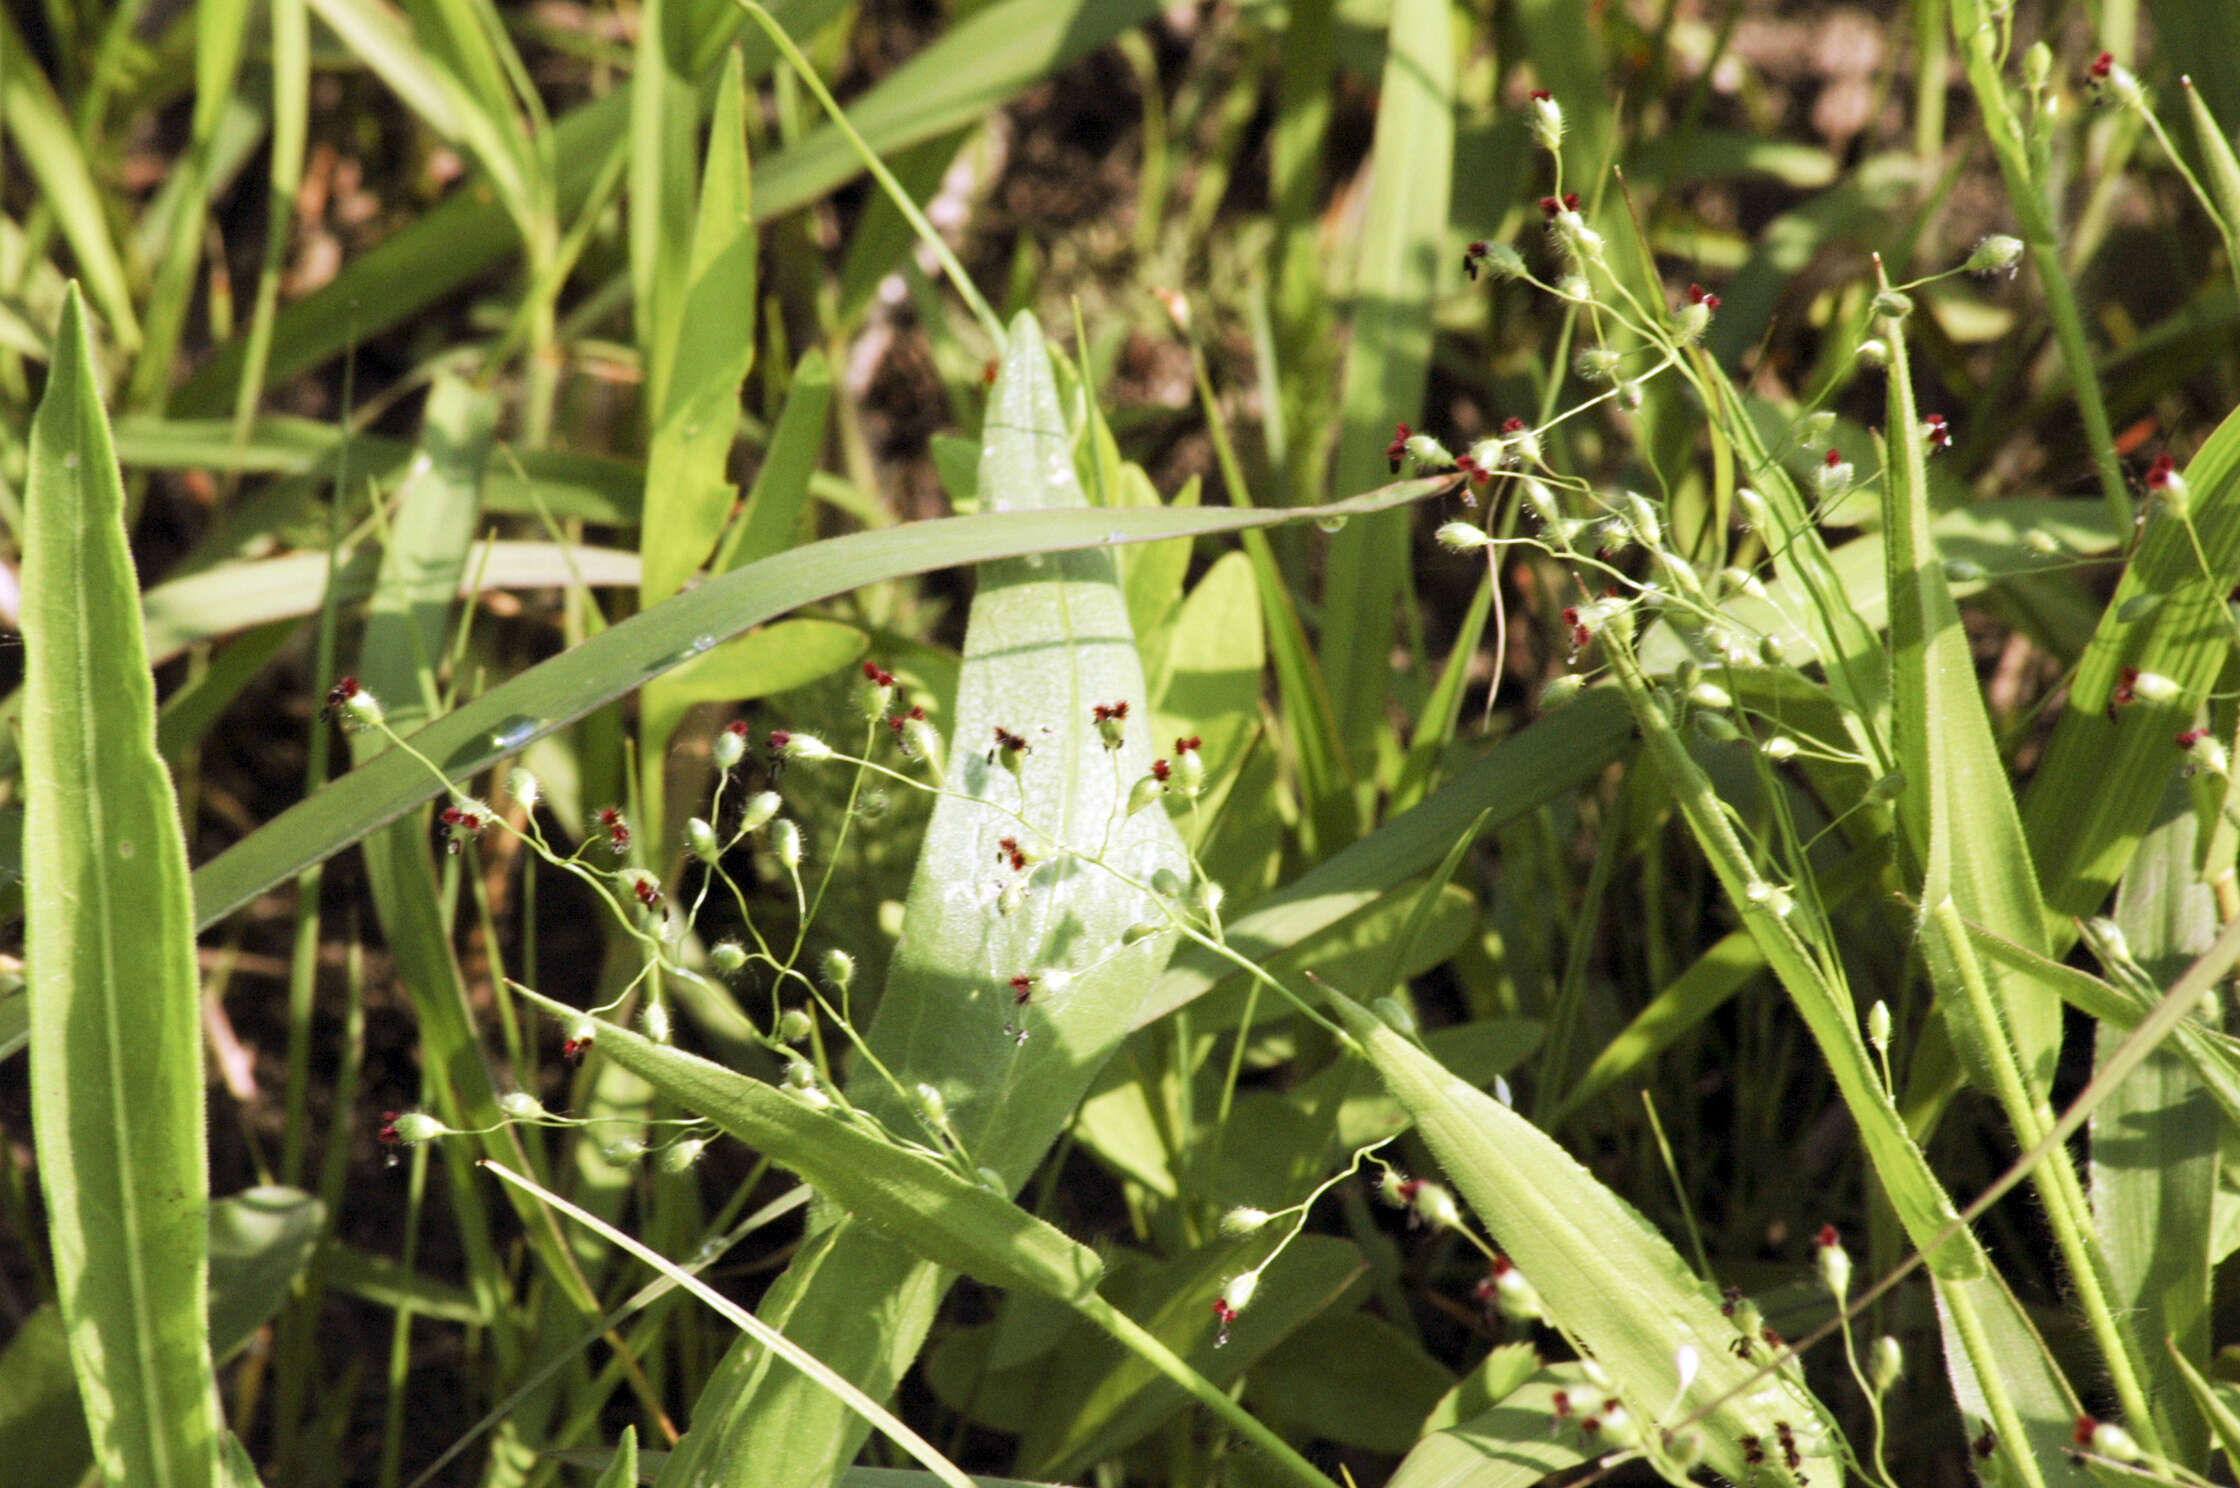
(1698,295)
(1184,746)
(779,739)
(1753,1450)
(1773,1340)
(1008,849)
(1397,451)
(1828,1236)
(1938,432)
(1160,770)
(1471,469)
(574,1049)
(1729,1299)
(1590,1425)
(1471,254)
(1408,1189)
(2085,1424)
(389,1137)
(988,373)
(648,892)
(1541,95)
(1483,1292)
(2161,472)
(451,816)
(2127,691)
(895,723)
(2101,66)
(1007,740)
(618,830)
(876,675)
(1500,1266)
(1832,459)
(1117,712)
(1550,205)
(1512,425)
(1022,988)
(1225,1315)
(341,693)
(1560,1403)
(2191,737)
(737,728)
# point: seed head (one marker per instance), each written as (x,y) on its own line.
(524,787)
(1547,121)
(1243,1220)
(795,1024)
(1834,1263)
(410,1128)
(1462,537)
(701,838)
(1886,1361)
(1995,255)
(1111,720)
(839,969)
(731,746)
(727,956)
(785,842)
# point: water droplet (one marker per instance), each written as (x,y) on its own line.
(514,733)
(1330,524)
(701,643)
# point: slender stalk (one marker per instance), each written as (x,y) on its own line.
(2033,215)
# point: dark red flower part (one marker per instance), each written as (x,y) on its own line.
(1729,1299)
(1541,95)
(1224,1314)
(1184,746)
(737,728)
(2101,66)
(1022,988)
(1472,254)
(1560,1403)
(1472,470)
(389,1137)
(1008,849)
(1833,458)
(1397,451)
(1938,432)
(574,1049)
(779,739)
(1501,1266)
(2161,472)
(2085,1424)
(1984,1445)
(1160,770)
(1117,712)
(1408,1189)
(648,892)
(341,693)
(1590,1425)
(895,723)
(1753,1450)
(2191,737)
(1011,742)
(1773,1340)
(1512,425)
(877,675)
(1484,1291)
(618,830)
(1549,206)
(1698,295)
(1828,1237)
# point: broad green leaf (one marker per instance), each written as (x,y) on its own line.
(781,487)
(1957,804)
(919,1201)
(1403,246)
(1210,681)
(698,375)
(116,1040)
(622,1469)
(1509,1445)
(1535,765)
(2096,791)
(602,668)
(2223,1420)
(260,1241)
(1096,1400)
(2155,1136)
(1352,1378)
(1047,640)
(1605,1273)
(774,659)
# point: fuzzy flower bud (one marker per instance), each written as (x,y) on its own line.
(1770,897)
(1189,767)
(760,808)
(2205,753)
(1560,691)
(1111,720)
(363,709)
(2106,1439)
(730,747)
(1874,352)
(727,956)
(1139,932)
(1517,1298)
(839,969)
(1243,1220)
(792,746)
(2153,687)
(785,841)
(1150,788)
(878,690)
(1597,364)
(411,1128)
(1997,254)
(520,1105)
(656,1018)
(1462,537)
(2114,84)
(1780,748)
(1878,1024)
(1436,1207)
(701,838)
(1891,305)
(794,1025)
(1832,476)
(1885,1362)
(1239,1292)
(1547,121)
(679,1156)
(1834,1263)
(524,787)
(932,1106)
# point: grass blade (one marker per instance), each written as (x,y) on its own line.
(116,1042)
(1402,245)
(605,666)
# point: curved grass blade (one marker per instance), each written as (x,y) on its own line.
(604,667)
(1604,1271)
(116,1037)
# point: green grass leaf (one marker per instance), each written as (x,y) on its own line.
(605,666)
(116,1040)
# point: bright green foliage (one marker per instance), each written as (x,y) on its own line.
(116,1046)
